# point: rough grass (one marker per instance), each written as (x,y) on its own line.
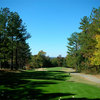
(44,85)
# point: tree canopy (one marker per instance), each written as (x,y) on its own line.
(14,51)
(83,47)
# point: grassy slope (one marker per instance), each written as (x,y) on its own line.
(44,85)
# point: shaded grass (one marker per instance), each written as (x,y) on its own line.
(44,85)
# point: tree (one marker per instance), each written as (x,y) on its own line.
(4,41)
(54,62)
(13,36)
(59,61)
(73,48)
(95,59)
(39,60)
(86,56)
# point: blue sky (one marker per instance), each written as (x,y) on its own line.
(51,22)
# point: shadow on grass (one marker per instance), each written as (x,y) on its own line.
(25,85)
(44,75)
(31,95)
(78,99)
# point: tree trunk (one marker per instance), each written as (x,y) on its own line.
(99,68)
(12,60)
(16,58)
(12,55)
(0,65)
(96,68)
(4,60)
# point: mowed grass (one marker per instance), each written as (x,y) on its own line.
(52,84)
(55,69)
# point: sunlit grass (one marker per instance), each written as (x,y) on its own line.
(55,69)
(44,85)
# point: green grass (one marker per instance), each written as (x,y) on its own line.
(44,85)
(55,69)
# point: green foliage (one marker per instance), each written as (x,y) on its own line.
(73,51)
(13,47)
(59,60)
(83,46)
(54,62)
(40,60)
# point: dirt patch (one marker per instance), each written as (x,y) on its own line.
(68,70)
(89,77)
(97,76)
(40,69)
(80,79)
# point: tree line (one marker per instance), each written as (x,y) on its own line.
(14,50)
(41,60)
(84,47)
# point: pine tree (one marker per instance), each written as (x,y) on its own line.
(73,49)
(13,36)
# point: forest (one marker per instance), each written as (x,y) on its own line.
(83,48)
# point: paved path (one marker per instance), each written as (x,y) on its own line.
(86,76)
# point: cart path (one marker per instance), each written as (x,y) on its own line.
(89,77)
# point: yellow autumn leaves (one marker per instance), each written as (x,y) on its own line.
(95,59)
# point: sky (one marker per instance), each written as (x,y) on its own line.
(51,22)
